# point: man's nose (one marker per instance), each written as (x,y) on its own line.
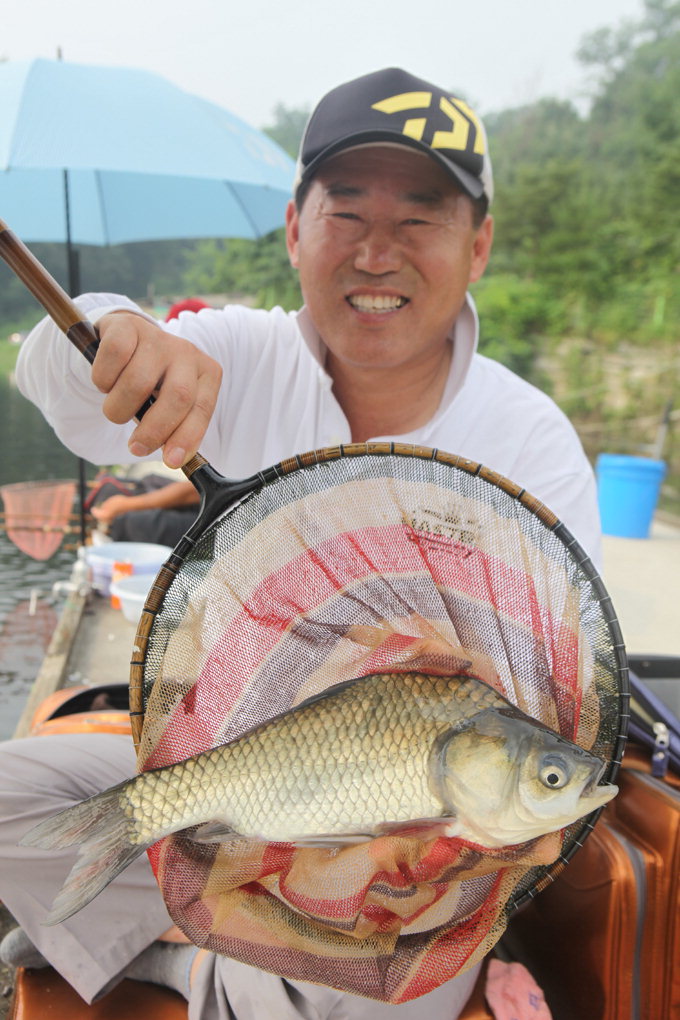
(378,250)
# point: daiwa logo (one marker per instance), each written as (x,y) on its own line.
(451,125)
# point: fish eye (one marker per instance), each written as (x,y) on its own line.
(554,772)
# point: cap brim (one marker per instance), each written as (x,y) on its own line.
(468,182)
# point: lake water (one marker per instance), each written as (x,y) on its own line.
(29,451)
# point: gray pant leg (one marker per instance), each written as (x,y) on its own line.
(38,777)
(225,989)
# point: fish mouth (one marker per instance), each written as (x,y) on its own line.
(594,792)
(594,780)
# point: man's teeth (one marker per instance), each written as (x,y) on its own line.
(375,302)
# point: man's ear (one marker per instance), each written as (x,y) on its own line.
(292,233)
(481,249)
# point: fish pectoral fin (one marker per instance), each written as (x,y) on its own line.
(212,832)
(416,828)
(330,840)
(420,828)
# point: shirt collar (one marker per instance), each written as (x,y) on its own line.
(464,336)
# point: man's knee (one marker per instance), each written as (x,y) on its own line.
(63,767)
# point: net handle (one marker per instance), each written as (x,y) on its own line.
(65,313)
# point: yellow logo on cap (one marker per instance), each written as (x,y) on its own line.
(457,111)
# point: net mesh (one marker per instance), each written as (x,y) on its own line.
(335,570)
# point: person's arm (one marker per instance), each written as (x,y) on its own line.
(176,494)
(136,358)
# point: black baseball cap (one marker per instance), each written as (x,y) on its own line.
(394,107)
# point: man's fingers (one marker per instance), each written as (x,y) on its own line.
(183,442)
(119,335)
(183,407)
(136,360)
(133,366)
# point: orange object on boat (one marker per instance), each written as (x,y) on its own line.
(121,568)
(77,710)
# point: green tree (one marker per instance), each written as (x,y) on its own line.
(258,269)
(288,127)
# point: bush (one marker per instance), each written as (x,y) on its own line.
(515,316)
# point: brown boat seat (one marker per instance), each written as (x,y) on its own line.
(43,994)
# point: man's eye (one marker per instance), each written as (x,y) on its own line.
(345,216)
(413,222)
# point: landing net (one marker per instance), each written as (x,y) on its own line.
(37,515)
(350,562)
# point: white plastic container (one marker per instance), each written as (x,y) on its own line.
(144,558)
(132,592)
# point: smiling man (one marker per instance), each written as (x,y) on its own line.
(386,244)
(388,226)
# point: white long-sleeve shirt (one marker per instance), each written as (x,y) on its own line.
(277,400)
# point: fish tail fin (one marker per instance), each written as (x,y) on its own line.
(102,830)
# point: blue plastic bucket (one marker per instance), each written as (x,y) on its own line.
(628,491)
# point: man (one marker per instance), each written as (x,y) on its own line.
(388,228)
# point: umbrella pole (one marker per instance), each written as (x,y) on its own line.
(73,269)
(72,260)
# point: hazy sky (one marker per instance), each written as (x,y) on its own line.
(248,55)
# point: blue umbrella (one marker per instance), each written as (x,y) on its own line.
(106,155)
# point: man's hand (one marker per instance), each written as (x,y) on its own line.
(111,508)
(136,359)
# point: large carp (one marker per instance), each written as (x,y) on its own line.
(363,759)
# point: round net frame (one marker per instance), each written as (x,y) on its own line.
(340,563)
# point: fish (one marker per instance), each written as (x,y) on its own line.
(368,757)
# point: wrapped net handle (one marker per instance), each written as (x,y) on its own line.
(63,311)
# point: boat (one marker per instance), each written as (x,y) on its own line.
(82,685)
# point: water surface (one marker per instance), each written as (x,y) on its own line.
(29,451)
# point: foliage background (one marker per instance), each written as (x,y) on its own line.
(582,293)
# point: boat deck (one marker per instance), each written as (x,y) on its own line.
(92,644)
(642,576)
(104,646)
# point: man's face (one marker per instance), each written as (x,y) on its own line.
(385,247)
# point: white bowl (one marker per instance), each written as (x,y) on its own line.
(132,592)
(144,558)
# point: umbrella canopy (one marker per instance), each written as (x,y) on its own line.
(107,155)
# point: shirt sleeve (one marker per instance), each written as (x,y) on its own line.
(573,498)
(55,376)
(515,429)
(552,465)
